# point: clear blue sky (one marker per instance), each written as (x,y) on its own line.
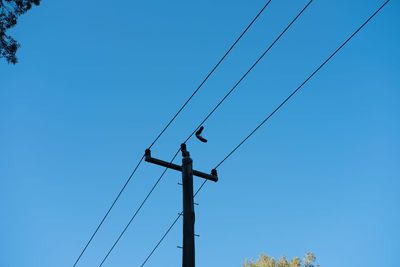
(97,81)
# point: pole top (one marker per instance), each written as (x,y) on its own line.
(147,153)
(185,153)
(183,147)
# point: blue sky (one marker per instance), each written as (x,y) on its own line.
(97,81)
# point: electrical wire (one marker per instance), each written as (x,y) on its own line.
(171,226)
(247,72)
(180,214)
(208,116)
(234,87)
(136,212)
(108,211)
(169,123)
(303,83)
(211,72)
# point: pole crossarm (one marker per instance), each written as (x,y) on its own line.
(188,255)
(147,157)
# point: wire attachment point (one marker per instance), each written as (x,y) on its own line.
(147,153)
(185,153)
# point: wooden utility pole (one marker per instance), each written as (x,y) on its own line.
(188,257)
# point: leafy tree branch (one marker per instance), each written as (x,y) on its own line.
(10,10)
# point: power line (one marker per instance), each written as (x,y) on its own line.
(108,211)
(161,176)
(138,209)
(170,227)
(169,123)
(301,85)
(208,116)
(136,212)
(224,98)
(210,73)
(175,221)
(251,68)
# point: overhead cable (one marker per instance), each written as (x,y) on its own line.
(248,71)
(224,98)
(179,215)
(303,83)
(169,123)
(208,116)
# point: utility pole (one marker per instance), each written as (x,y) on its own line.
(188,257)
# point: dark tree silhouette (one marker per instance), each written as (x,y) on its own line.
(10,10)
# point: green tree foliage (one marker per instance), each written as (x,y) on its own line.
(267,261)
(10,10)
